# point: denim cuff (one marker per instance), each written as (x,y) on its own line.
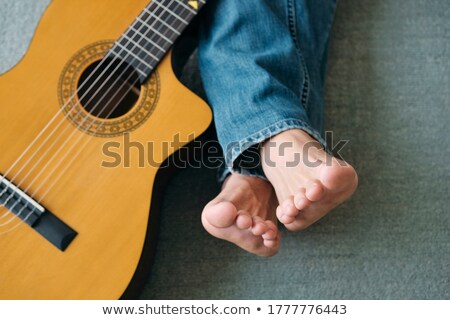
(247,149)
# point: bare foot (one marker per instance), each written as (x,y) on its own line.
(308,182)
(244,214)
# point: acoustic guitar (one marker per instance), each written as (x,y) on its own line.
(98,78)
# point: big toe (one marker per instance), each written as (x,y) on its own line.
(221,215)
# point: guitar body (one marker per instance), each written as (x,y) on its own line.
(109,208)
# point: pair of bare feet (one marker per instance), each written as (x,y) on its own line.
(305,183)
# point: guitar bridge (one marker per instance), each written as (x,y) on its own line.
(35,215)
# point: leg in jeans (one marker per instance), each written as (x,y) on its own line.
(263,65)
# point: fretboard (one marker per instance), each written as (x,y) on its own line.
(151,35)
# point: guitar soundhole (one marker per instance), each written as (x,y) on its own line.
(109,88)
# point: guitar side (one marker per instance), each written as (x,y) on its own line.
(108,207)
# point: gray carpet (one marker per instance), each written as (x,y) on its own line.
(388,92)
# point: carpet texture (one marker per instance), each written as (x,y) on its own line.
(388,93)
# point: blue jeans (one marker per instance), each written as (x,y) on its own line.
(263,65)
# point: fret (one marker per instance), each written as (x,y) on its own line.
(143,38)
(172,13)
(187,7)
(165,20)
(158,13)
(153,43)
(159,34)
(125,36)
(165,23)
(153,32)
(140,47)
(135,55)
(148,43)
(140,65)
(133,49)
(168,26)
(142,73)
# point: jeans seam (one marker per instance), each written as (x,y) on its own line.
(292,22)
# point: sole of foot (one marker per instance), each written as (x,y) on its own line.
(244,214)
(308,182)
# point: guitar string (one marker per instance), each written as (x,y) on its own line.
(77,153)
(74,157)
(3,178)
(103,109)
(54,118)
(119,89)
(72,148)
(108,102)
(65,129)
(72,97)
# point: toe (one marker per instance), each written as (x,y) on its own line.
(272,231)
(269,235)
(272,237)
(286,216)
(220,215)
(279,213)
(272,226)
(259,226)
(225,218)
(315,192)
(288,207)
(271,244)
(287,211)
(285,219)
(244,221)
(300,200)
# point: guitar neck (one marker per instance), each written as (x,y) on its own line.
(147,40)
